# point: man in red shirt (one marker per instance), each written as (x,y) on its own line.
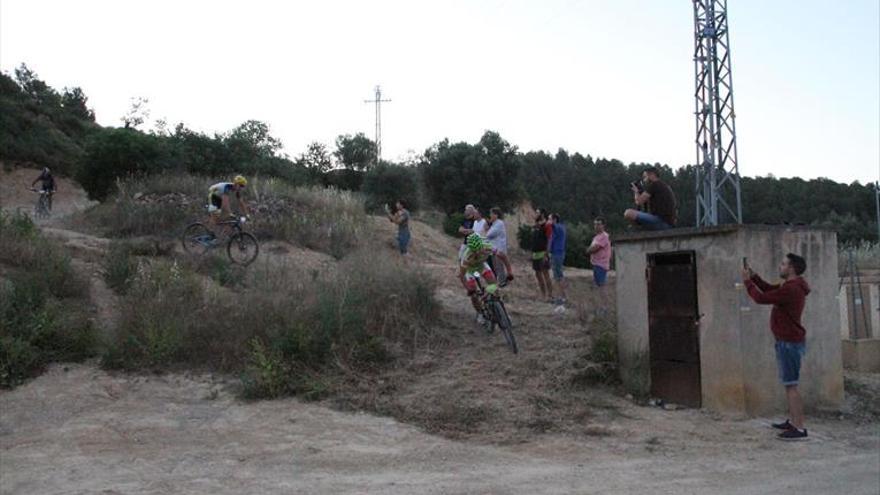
(788,300)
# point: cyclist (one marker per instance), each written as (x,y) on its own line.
(474,260)
(48,186)
(218,198)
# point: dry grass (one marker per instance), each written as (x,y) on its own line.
(43,303)
(326,220)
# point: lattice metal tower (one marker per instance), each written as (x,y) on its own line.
(378,101)
(718,195)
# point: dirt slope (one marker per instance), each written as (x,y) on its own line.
(15,193)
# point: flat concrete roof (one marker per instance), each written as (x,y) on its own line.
(644,235)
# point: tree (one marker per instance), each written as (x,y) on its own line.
(316,159)
(484,173)
(112,153)
(252,141)
(74,101)
(388,182)
(356,152)
(137,114)
(38,90)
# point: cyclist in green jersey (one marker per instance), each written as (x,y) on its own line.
(474,260)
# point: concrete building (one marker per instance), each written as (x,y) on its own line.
(860,319)
(689,333)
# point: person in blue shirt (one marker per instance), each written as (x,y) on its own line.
(557,257)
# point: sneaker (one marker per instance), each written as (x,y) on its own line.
(793,435)
(785,425)
(481,320)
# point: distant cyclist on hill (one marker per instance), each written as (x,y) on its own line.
(48,185)
(474,260)
(218,198)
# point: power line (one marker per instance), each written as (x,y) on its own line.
(378,101)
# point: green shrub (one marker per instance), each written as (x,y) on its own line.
(119,266)
(452,223)
(284,331)
(111,154)
(43,316)
(386,183)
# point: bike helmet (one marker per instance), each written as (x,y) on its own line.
(239,181)
(474,242)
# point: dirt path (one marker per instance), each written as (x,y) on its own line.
(77,429)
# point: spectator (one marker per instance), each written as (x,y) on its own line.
(788,300)
(557,256)
(480,225)
(496,234)
(659,199)
(466,229)
(401,216)
(541,233)
(600,259)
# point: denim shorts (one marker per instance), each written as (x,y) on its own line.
(788,361)
(651,222)
(556,261)
(600,275)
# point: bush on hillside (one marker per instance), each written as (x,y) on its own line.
(111,154)
(452,223)
(386,183)
(40,125)
(170,319)
(343,178)
(485,173)
(43,315)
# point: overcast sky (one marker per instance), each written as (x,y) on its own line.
(612,78)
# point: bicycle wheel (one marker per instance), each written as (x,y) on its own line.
(197,239)
(242,248)
(504,324)
(42,208)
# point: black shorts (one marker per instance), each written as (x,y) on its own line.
(217,201)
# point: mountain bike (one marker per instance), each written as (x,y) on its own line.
(41,208)
(242,247)
(495,313)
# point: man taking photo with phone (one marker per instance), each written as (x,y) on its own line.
(788,300)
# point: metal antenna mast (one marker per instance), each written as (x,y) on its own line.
(378,101)
(718,195)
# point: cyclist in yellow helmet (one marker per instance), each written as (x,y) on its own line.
(218,198)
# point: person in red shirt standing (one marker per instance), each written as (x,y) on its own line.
(788,300)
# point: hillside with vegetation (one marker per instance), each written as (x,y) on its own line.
(45,127)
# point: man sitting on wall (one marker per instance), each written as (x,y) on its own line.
(659,199)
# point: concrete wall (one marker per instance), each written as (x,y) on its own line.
(822,368)
(862,355)
(736,345)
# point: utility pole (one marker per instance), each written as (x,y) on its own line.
(718,195)
(378,101)
(877,203)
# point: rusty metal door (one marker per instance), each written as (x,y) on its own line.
(672,327)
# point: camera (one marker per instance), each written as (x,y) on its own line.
(638,185)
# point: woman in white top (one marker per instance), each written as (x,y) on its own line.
(496,234)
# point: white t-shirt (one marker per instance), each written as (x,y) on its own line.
(480,227)
(497,236)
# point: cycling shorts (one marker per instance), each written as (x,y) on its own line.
(486,273)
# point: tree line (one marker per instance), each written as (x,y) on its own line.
(57,129)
